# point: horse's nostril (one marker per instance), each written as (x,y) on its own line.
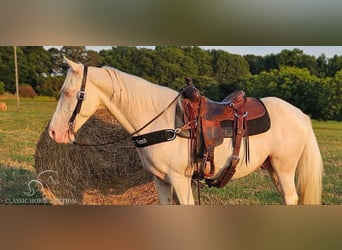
(52,133)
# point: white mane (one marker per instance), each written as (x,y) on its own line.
(138,92)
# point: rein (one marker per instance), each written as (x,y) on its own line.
(80,98)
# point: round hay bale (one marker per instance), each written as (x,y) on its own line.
(3,106)
(110,174)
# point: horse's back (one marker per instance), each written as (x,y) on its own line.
(282,110)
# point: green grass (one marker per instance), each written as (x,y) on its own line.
(20,131)
(329,136)
(14,187)
(254,189)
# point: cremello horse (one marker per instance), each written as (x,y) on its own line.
(287,149)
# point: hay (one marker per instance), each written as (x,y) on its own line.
(110,174)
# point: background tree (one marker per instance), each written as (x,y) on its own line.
(57,61)
(322,66)
(228,68)
(313,84)
(201,58)
(256,63)
(333,95)
(334,65)
(34,65)
(7,66)
(297,58)
(171,62)
(292,84)
(75,53)
(2,88)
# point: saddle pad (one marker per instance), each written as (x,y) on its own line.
(255,126)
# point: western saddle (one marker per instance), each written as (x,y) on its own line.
(204,118)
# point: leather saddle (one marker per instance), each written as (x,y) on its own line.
(210,122)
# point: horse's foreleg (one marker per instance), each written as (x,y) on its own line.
(182,187)
(164,190)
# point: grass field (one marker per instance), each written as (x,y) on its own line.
(19,132)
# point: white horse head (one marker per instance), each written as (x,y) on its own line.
(59,128)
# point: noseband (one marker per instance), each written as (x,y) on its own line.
(80,96)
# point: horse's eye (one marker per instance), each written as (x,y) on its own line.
(67,93)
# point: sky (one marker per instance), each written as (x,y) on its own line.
(316,51)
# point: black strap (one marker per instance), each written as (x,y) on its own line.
(80,96)
(154,138)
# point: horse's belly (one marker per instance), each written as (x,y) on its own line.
(258,153)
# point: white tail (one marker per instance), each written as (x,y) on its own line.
(310,171)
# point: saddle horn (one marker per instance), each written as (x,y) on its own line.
(191,92)
(189,82)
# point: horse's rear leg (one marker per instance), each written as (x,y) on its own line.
(285,172)
(288,187)
(267,165)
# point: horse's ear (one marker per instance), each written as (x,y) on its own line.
(76,67)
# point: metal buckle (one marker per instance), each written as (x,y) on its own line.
(173,134)
(81,95)
(178,131)
(244,114)
(234,157)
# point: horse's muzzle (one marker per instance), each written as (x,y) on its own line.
(66,137)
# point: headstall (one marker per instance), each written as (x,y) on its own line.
(80,96)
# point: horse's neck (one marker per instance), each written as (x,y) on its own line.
(136,101)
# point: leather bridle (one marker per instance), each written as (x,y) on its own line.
(80,96)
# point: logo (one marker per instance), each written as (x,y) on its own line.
(38,181)
(45,178)
(141,141)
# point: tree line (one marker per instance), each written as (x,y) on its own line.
(311,83)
